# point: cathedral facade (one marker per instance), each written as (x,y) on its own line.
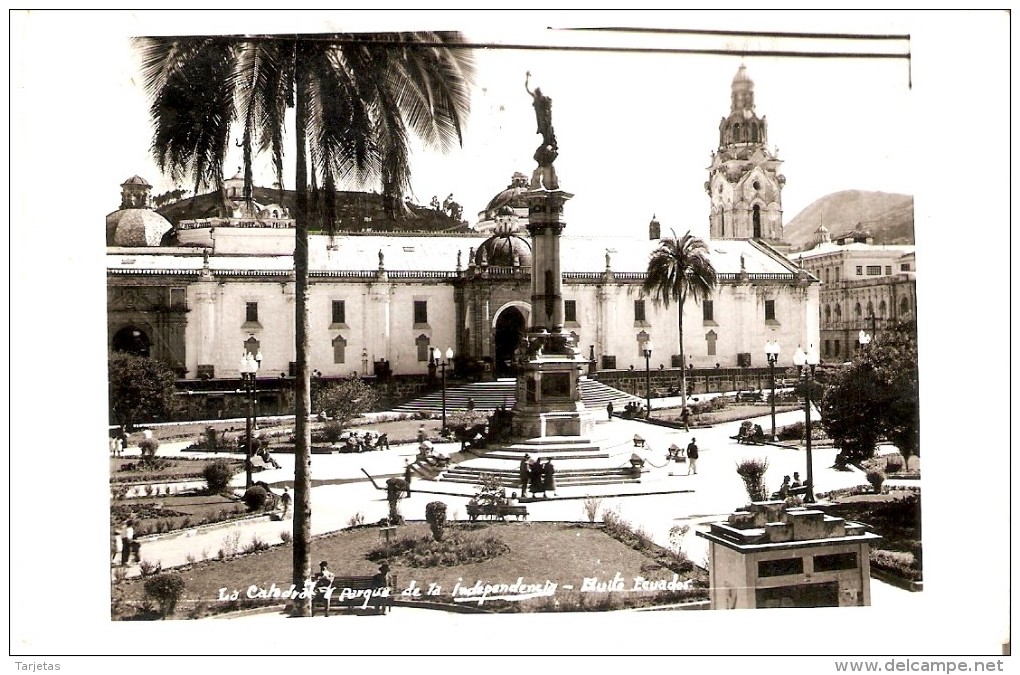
(199,294)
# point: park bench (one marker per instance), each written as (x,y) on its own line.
(364,594)
(497,511)
(750,397)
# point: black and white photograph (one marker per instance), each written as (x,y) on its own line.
(510,333)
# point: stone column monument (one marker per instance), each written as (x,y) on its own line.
(549,364)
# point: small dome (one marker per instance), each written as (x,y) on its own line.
(501,249)
(136,180)
(511,196)
(136,227)
(742,78)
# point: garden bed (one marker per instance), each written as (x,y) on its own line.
(600,570)
(131,470)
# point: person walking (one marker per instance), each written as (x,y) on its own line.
(609,410)
(524,473)
(692,456)
(549,477)
(116,545)
(285,500)
(407,476)
(127,538)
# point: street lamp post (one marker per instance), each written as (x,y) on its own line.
(648,379)
(249,368)
(442,367)
(772,354)
(806,362)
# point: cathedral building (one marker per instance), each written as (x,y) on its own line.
(200,293)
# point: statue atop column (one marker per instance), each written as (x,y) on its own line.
(546,153)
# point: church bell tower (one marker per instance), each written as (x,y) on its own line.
(744,182)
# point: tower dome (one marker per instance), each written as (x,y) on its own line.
(507,206)
(135,223)
(504,250)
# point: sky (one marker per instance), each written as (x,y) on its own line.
(636,135)
(636,131)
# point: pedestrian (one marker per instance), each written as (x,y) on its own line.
(796,480)
(285,502)
(470,404)
(382,442)
(692,456)
(537,484)
(114,446)
(421,434)
(127,537)
(609,410)
(116,545)
(407,476)
(549,476)
(524,473)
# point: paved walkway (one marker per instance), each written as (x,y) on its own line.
(665,497)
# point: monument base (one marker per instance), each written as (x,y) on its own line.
(548,398)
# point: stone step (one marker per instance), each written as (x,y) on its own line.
(491,395)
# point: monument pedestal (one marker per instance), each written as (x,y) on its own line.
(548,399)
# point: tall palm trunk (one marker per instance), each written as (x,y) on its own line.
(302,383)
(683,371)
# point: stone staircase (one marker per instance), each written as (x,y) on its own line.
(502,392)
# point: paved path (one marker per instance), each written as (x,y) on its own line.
(664,498)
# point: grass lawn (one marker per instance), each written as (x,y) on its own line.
(170,469)
(164,514)
(558,553)
(731,413)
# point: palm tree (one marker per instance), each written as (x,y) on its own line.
(357,99)
(678,269)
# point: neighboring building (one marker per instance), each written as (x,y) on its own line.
(863,287)
(379,302)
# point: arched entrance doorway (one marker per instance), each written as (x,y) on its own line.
(132,340)
(510,326)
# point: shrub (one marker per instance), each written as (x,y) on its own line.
(876,477)
(257,544)
(357,520)
(255,497)
(217,475)
(456,549)
(166,589)
(148,446)
(435,514)
(286,537)
(591,508)
(752,472)
(148,568)
(894,464)
(396,489)
(332,431)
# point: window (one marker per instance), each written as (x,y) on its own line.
(836,347)
(339,313)
(888,269)
(421,312)
(639,310)
(881,309)
(836,561)
(860,270)
(710,340)
(781,567)
(178,298)
(251,345)
(570,310)
(826,352)
(874,270)
(251,312)
(871,309)
(422,343)
(857,311)
(837,274)
(339,349)
(828,314)
(838,311)
(707,311)
(826,275)
(770,310)
(904,267)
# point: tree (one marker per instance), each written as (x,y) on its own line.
(678,269)
(357,99)
(875,396)
(141,389)
(346,399)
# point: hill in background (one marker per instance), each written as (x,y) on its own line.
(889,217)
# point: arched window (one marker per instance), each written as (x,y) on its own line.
(857,311)
(826,275)
(871,309)
(881,309)
(828,314)
(838,311)
(904,307)
(251,345)
(736,132)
